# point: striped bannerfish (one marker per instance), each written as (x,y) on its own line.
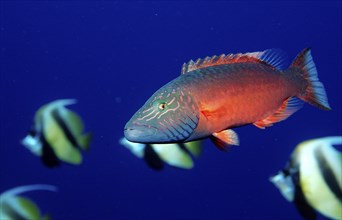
(57,134)
(215,94)
(13,206)
(155,155)
(312,179)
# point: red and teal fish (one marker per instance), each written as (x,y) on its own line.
(215,94)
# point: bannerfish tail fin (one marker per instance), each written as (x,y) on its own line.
(84,141)
(289,106)
(315,93)
(76,127)
(46,217)
(224,139)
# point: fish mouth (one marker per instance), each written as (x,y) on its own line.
(139,133)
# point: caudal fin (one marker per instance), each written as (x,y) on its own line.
(84,141)
(315,93)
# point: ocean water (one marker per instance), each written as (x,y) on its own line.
(111,56)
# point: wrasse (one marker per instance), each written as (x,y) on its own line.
(312,179)
(57,134)
(215,94)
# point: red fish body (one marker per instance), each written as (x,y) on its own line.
(216,94)
(240,94)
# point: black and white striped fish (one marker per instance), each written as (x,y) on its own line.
(179,155)
(57,134)
(312,179)
(14,206)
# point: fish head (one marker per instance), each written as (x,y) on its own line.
(285,185)
(169,115)
(33,142)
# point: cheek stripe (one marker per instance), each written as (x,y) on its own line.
(145,116)
(172,100)
(146,110)
(153,116)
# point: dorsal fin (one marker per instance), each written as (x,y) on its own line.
(272,57)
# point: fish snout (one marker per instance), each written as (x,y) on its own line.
(139,133)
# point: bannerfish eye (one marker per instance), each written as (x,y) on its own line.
(162,106)
(32,132)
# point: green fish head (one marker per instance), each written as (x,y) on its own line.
(169,115)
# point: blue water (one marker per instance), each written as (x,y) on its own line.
(111,57)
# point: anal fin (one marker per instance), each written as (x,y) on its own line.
(288,107)
(224,139)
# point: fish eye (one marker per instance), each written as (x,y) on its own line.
(162,106)
(32,132)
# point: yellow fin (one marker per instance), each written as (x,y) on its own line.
(194,147)
(173,155)
(73,121)
(84,141)
(46,217)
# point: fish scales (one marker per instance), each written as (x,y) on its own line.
(237,94)
(214,95)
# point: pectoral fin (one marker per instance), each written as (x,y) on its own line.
(208,111)
(224,139)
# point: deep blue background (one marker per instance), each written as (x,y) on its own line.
(112,57)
